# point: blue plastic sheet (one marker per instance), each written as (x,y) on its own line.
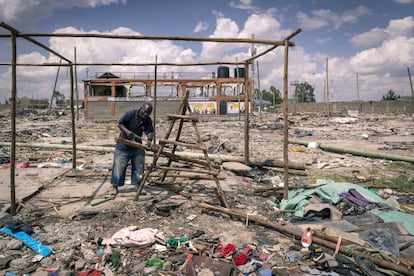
(29,241)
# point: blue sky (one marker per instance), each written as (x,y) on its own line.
(372,39)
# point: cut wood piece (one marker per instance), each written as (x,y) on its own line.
(183,144)
(186,118)
(173,168)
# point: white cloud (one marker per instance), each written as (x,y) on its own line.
(404,1)
(23,14)
(33,82)
(395,28)
(325,17)
(244,5)
(225,27)
(380,69)
(201,26)
(391,56)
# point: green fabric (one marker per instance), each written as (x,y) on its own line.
(395,216)
(328,192)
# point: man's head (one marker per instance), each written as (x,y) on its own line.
(144,111)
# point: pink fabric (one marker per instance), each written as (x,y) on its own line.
(132,236)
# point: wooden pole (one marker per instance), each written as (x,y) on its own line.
(76,87)
(72,112)
(411,83)
(328,112)
(13,128)
(54,88)
(285,123)
(155,101)
(246,113)
(238,86)
(357,152)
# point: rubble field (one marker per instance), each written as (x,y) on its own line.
(349,209)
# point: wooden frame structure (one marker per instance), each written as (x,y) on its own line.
(14,34)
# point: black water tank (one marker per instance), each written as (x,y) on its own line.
(239,72)
(223,72)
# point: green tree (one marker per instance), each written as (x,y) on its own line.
(390,96)
(60,98)
(274,96)
(304,93)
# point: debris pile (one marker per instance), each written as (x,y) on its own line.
(67,226)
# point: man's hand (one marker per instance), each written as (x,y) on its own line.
(132,136)
(150,137)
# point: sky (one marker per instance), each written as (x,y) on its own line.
(363,47)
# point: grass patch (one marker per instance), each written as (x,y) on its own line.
(402,182)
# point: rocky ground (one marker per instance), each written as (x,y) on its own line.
(63,218)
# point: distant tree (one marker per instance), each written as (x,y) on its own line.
(304,93)
(277,96)
(390,96)
(272,96)
(60,98)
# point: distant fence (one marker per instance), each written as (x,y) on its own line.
(334,108)
(370,107)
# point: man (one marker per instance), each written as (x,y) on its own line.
(133,124)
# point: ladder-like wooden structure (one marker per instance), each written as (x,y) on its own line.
(191,165)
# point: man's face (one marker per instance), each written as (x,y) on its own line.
(142,114)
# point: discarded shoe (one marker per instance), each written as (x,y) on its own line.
(316,253)
(306,239)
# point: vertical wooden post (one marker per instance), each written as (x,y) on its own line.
(13,128)
(246,113)
(76,88)
(154,115)
(328,111)
(113,95)
(285,123)
(411,82)
(72,112)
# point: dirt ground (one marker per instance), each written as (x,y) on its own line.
(61,205)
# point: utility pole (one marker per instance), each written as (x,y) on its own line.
(76,88)
(327,90)
(258,88)
(238,86)
(357,83)
(411,83)
(253,53)
(314,84)
(54,87)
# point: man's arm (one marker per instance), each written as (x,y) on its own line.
(129,134)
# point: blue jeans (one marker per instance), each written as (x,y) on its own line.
(120,164)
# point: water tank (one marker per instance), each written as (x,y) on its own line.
(223,72)
(239,72)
